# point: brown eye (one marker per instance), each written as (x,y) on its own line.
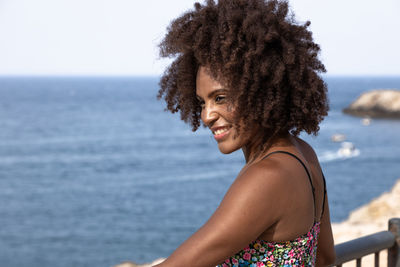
(219,98)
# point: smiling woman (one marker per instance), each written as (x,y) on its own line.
(215,112)
(249,72)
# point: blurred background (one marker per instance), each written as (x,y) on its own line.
(93,172)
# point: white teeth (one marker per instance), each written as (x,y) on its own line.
(220,131)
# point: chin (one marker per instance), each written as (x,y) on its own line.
(224,149)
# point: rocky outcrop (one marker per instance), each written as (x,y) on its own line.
(368,219)
(376,104)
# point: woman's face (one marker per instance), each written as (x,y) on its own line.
(216,113)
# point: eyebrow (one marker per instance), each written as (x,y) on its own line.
(213,93)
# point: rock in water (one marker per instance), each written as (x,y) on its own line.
(368,219)
(376,104)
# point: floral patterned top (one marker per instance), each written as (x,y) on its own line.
(299,252)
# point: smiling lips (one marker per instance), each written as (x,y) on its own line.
(220,132)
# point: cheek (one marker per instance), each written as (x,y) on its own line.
(229,112)
(232,144)
(241,137)
(230,108)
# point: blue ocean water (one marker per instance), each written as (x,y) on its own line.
(93,172)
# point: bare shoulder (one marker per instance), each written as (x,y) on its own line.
(311,157)
(267,174)
(307,150)
(262,185)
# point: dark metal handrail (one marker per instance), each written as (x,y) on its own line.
(357,248)
(360,247)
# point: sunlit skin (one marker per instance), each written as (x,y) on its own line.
(266,197)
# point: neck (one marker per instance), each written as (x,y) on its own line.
(255,150)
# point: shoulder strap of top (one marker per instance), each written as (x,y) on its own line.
(323,202)
(308,174)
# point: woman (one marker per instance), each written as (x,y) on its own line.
(249,72)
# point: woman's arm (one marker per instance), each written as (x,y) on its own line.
(248,208)
(326,250)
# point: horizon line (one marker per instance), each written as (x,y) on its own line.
(25,75)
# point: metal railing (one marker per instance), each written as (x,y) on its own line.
(356,249)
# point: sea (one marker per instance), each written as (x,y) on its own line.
(94,172)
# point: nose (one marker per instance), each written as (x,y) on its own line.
(209,115)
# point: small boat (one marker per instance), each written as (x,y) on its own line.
(338,137)
(348,149)
(366,121)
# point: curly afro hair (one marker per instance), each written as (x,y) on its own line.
(267,60)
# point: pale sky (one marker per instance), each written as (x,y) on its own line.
(120,37)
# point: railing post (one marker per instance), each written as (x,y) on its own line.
(394,252)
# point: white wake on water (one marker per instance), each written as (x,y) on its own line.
(346,151)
